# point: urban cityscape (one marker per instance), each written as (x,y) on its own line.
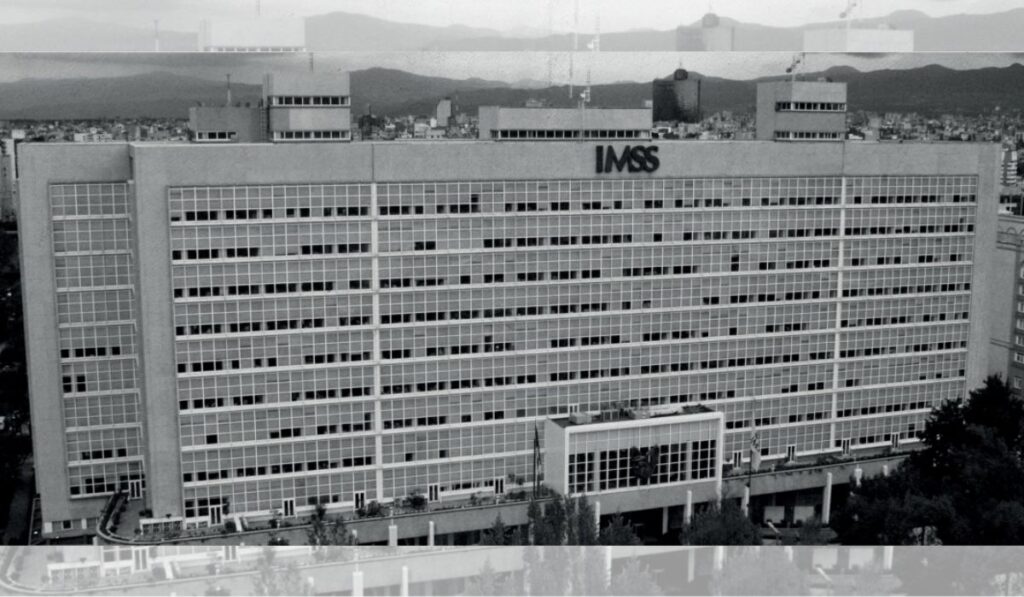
(297,324)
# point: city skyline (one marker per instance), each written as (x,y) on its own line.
(532,68)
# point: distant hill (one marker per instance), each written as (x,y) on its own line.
(79,35)
(341,31)
(158,95)
(997,32)
(390,91)
(928,90)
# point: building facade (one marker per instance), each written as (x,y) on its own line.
(531,124)
(295,107)
(1006,348)
(801,111)
(344,323)
(676,99)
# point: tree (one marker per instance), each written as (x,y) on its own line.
(724,524)
(565,521)
(274,579)
(323,532)
(812,532)
(549,526)
(635,578)
(618,532)
(961,489)
(586,523)
(497,534)
(484,584)
(756,571)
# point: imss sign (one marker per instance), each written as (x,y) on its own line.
(632,158)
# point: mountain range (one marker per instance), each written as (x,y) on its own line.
(928,90)
(340,31)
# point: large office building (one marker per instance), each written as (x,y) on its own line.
(246,328)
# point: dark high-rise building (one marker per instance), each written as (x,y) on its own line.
(676,99)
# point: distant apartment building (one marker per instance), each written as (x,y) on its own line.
(8,180)
(801,111)
(711,36)
(261,34)
(1009,168)
(92,137)
(444,112)
(676,99)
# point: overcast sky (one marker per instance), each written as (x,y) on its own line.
(504,15)
(511,67)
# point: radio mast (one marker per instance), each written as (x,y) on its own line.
(792,70)
(847,15)
(575,47)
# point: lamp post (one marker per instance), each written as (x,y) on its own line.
(755,462)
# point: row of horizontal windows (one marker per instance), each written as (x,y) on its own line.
(251,252)
(630,204)
(104,454)
(230,252)
(768,421)
(254,399)
(902,319)
(91,351)
(570,134)
(277,469)
(101,485)
(309,359)
(216,135)
(809,135)
(311,135)
(880,350)
(270,326)
(308,100)
(284,288)
(256,289)
(888,408)
(896,290)
(898,259)
(810,106)
(539,241)
(395,318)
(509,380)
(208,215)
(528,343)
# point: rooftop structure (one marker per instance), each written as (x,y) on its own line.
(532,124)
(801,111)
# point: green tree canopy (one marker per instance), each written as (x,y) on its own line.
(962,488)
(721,524)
